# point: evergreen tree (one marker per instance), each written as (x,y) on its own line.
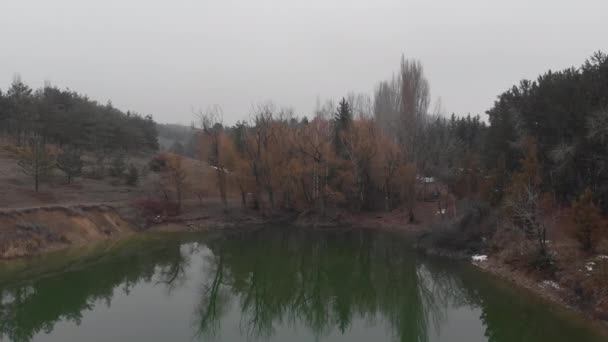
(118,165)
(342,121)
(70,162)
(132,175)
(36,161)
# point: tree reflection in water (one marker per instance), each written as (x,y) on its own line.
(265,281)
(323,282)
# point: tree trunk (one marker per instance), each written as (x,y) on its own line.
(243,196)
(222,184)
(179,200)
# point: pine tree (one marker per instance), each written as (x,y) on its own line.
(132,175)
(342,121)
(36,161)
(118,165)
(70,162)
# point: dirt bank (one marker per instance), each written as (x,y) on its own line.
(25,232)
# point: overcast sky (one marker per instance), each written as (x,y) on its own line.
(167,57)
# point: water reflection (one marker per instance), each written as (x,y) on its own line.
(267,280)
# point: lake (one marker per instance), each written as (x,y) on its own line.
(268,285)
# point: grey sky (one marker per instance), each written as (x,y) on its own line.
(165,57)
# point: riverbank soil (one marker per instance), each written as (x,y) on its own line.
(28,232)
(576,279)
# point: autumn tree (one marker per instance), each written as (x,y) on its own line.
(360,148)
(211,122)
(525,203)
(406,176)
(69,161)
(260,137)
(283,164)
(36,161)
(588,219)
(175,177)
(388,161)
(313,142)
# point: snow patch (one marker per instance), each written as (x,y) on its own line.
(479,258)
(550,283)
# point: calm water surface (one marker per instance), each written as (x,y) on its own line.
(269,285)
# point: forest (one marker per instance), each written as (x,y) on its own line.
(66,118)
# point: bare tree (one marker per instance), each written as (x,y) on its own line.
(360,104)
(359,143)
(175,177)
(401,105)
(414,103)
(313,143)
(211,122)
(259,139)
(525,205)
(527,214)
(36,161)
(386,106)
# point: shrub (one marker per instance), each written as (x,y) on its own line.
(464,234)
(118,165)
(154,210)
(158,163)
(132,176)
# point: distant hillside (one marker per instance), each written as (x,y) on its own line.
(65,117)
(174,137)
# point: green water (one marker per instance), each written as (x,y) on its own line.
(268,285)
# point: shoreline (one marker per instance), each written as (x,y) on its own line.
(545,290)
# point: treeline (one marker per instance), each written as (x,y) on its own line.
(351,155)
(566,114)
(66,118)
(545,147)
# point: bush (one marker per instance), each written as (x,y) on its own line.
(158,163)
(132,175)
(118,165)
(543,262)
(154,210)
(464,234)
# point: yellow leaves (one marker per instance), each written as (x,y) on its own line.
(588,219)
(529,176)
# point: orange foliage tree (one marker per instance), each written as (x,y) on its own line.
(588,219)
(211,121)
(525,203)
